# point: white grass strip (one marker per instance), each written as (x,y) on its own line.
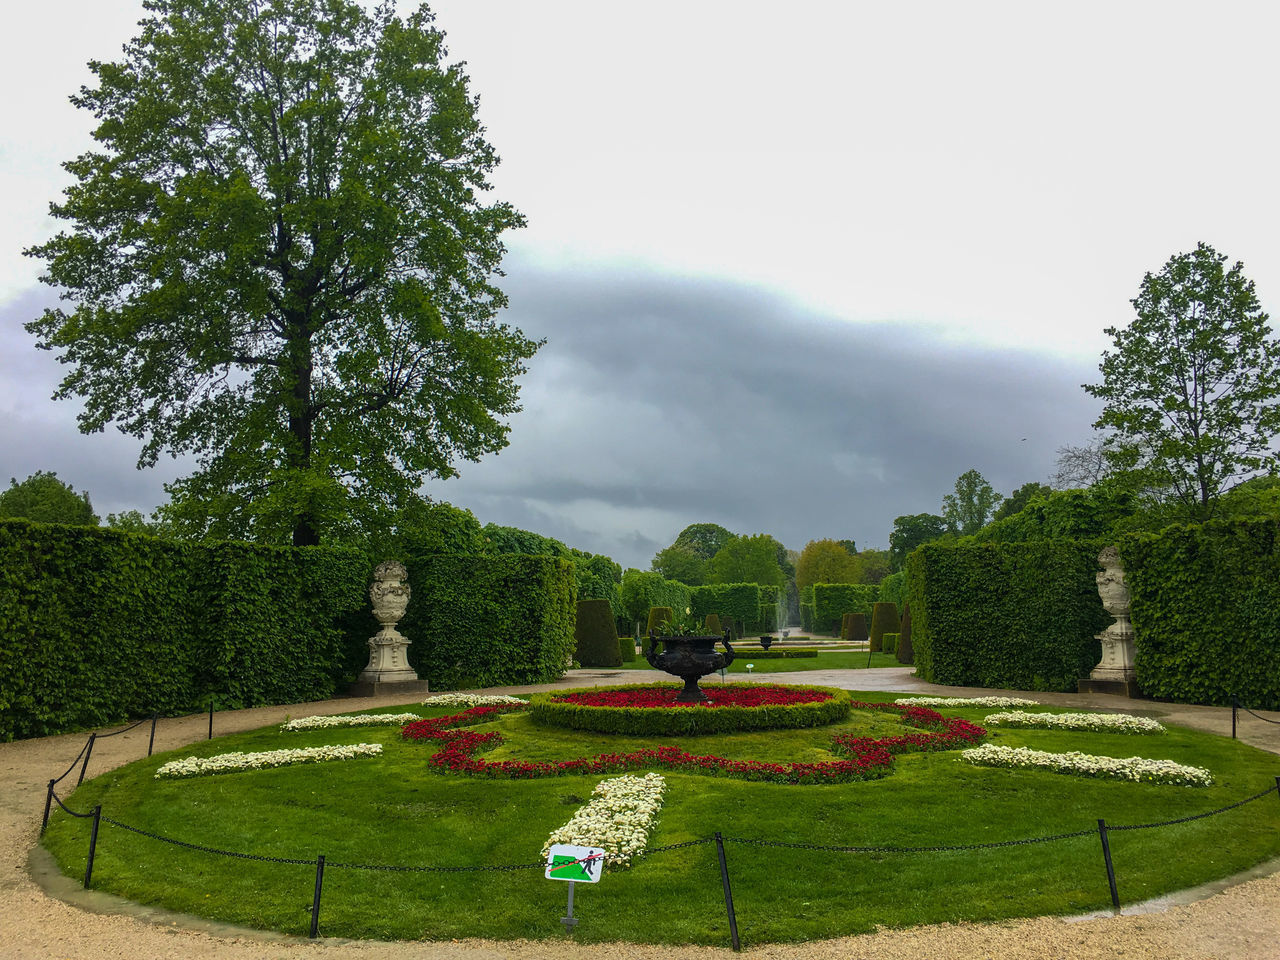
(356,720)
(965,702)
(618,818)
(1136,769)
(1092,722)
(470,700)
(235,762)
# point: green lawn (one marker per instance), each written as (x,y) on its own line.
(394,810)
(842,660)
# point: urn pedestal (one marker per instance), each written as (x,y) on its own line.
(388,671)
(1114,672)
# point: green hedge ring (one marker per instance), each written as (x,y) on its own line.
(545,709)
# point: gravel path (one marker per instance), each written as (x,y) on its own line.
(1240,923)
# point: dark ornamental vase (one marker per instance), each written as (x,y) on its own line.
(690,659)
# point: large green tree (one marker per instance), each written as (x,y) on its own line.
(678,562)
(748,559)
(704,539)
(1020,498)
(280,263)
(826,561)
(969,506)
(46,499)
(909,532)
(1192,386)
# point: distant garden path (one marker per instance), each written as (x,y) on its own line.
(1240,923)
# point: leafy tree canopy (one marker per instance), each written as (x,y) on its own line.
(46,499)
(133,521)
(1192,385)
(910,532)
(280,263)
(704,539)
(1020,498)
(748,559)
(873,565)
(968,508)
(826,561)
(679,562)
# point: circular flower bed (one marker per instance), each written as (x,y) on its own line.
(651,709)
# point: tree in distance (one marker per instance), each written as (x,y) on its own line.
(704,539)
(678,562)
(826,561)
(46,499)
(968,508)
(1192,383)
(280,263)
(1020,498)
(1080,467)
(910,532)
(748,559)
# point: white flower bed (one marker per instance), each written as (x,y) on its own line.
(965,702)
(1094,722)
(1137,769)
(618,819)
(359,720)
(234,762)
(470,700)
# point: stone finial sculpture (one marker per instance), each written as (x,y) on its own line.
(1115,670)
(388,648)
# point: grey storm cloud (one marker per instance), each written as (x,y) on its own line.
(660,401)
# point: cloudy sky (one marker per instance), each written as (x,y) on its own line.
(799,266)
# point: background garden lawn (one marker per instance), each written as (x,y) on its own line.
(395,810)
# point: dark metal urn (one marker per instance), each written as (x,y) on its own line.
(690,659)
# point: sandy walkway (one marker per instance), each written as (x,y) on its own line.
(1240,923)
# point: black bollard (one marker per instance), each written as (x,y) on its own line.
(93,845)
(315,900)
(87,754)
(152,743)
(728,893)
(48,805)
(1111,870)
(1235,706)
(210,719)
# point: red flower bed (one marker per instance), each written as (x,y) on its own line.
(868,757)
(735,695)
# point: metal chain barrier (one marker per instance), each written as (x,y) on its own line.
(1263,719)
(67,809)
(1194,816)
(195,846)
(935,849)
(133,726)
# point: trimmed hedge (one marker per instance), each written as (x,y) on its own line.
(739,602)
(490,621)
(627,649)
(1206,612)
(858,631)
(832,600)
(776,654)
(657,615)
(893,588)
(806,609)
(766,619)
(98,625)
(889,643)
(905,653)
(884,619)
(1011,615)
(595,638)
(686,721)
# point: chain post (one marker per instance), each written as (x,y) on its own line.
(87,754)
(152,742)
(728,893)
(1235,707)
(315,900)
(210,719)
(1111,870)
(49,805)
(1278,786)
(93,845)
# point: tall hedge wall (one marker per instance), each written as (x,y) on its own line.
(491,620)
(1206,612)
(806,609)
(831,601)
(1013,615)
(644,589)
(737,601)
(98,625)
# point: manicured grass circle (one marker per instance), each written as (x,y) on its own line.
(650,709)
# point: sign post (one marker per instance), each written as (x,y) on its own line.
(576,865)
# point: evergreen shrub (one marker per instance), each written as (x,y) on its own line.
(627,649)
(712,625)
(884,619)
(594,635)
(858,628)
(657,615)
(1013,615)
(1206,612)
(832,600)
(889,643)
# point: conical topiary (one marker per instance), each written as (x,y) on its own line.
(658,615)
(712,625)
(858,627)
(627,649)
(596,636)
(844,626)
(884,619)
(889,642)
(905,653)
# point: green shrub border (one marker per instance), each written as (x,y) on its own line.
(797,653)
(685,721)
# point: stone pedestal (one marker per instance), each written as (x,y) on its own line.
(388,671)
(1114,672)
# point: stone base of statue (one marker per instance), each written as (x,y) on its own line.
(1117,688)
(409,689)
